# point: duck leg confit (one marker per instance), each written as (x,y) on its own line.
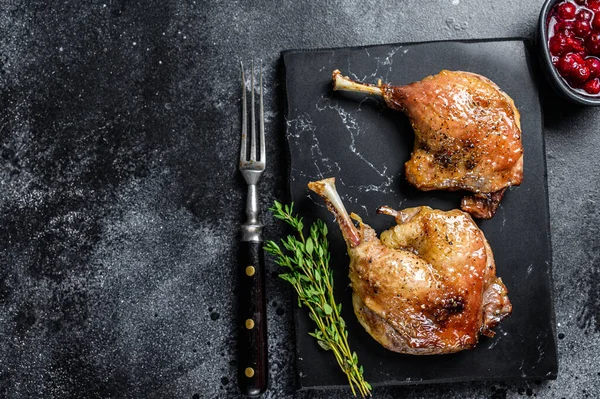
(428,286)
(467,135)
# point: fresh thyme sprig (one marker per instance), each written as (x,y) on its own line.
(307,261)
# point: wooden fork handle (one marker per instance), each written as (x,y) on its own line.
(252,340)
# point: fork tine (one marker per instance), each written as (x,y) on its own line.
(263,152)
(244,117)
(253,120)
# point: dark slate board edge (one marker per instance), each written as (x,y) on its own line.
(281,73)
(366,46)
(437,381)
(288,190)
(533,65)
(530,53)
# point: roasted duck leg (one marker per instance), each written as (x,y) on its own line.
(467,135)
(428,286)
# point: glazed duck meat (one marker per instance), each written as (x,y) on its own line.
(467,135)
(428,285)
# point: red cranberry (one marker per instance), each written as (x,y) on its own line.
(569,64)
(596,21)
(561,44)
(593,5)
(565,27)
(579,61)
(564,67)
(582,28)
(594,65)
(574,44)
(580,2)
(592,43)
(584,15)
(567,10)
(581,74)
(592,86)
(578,58)
(558,44)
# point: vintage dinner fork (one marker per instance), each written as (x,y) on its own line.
(252,344)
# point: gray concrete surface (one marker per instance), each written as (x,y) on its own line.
(120,200)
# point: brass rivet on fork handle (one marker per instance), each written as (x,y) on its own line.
(252,340)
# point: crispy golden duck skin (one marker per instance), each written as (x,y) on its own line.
(428,286)
(467,135)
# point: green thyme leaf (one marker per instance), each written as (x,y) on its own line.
(324,345)
(309,246)
(307,263)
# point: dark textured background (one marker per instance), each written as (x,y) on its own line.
(120,199)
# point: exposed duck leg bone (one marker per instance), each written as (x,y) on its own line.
(326,189)
(341,82)
(401,217)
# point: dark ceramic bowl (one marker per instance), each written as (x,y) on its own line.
(558,84)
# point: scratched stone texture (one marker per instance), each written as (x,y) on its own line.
(120,201)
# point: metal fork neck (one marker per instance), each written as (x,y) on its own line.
(252,229)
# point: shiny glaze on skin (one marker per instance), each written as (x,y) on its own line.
(467,135)
(451,244)
(429,285)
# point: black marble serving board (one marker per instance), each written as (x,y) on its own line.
(364,145)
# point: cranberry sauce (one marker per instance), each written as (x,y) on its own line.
(574,43)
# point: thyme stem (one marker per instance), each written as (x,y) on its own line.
(306,259)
